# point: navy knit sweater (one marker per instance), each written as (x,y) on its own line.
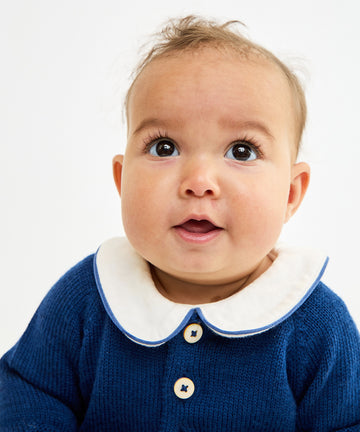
(75,370)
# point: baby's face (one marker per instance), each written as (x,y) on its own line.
(208,177)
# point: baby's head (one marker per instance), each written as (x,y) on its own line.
(209,175)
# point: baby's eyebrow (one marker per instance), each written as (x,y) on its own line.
(150,122)
(225,122)
(247,124)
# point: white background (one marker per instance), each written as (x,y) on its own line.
(65,67)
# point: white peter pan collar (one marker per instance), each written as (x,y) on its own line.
(138,309)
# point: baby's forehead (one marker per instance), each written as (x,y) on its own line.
(203,61)
(209,70)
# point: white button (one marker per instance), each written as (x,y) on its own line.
(184,388)
(193,333)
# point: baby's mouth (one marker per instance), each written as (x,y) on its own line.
(198,231)
(202,226)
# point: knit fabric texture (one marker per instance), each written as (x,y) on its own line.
(74,370)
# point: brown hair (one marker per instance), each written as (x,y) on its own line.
(193,32)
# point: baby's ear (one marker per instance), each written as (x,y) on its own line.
(300,177)
(117,164)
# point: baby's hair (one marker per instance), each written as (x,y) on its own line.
(193,32)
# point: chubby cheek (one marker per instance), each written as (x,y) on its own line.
(258,214)
(141,204)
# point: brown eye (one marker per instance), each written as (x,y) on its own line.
(163,148)
(242,151)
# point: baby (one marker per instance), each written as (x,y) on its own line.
(196,321)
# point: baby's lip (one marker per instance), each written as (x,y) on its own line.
(198,225)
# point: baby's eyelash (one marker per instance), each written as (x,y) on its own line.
(252,142)
(152,137)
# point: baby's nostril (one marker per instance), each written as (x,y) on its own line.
(199,192)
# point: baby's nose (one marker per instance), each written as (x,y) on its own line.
(199,179)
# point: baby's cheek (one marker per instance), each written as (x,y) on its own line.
(140,216)
(271,219)
(260,215)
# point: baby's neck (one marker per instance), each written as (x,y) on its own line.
(188,292)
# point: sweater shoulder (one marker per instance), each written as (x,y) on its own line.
(65,310)
(63,314)
(73,289)
(80,277)
(324,311)
(324,339)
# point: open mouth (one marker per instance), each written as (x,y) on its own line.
(197,231)
(198,226)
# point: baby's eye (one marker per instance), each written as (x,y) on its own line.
(163,148)
(242,151)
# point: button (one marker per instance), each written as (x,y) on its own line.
(184,388)
(193,333)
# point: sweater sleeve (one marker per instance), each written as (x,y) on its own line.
(39,388)
(328,366)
